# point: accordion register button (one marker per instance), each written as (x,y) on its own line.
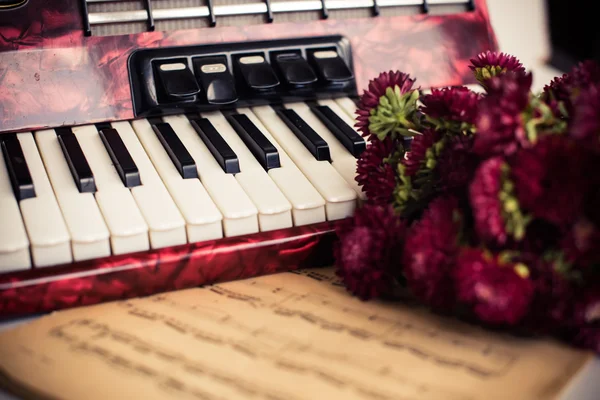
(256,72)
(219,148)
(330,66)
(176,81)
(215,79)
(295,69)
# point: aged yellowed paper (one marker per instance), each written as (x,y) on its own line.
(280,337)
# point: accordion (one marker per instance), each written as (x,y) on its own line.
(157,145)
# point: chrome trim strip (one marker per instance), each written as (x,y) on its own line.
(249,9)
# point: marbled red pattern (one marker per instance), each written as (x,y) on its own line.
(52,75)
(141,274)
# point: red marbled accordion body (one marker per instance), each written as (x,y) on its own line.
(180,267)
(52,75)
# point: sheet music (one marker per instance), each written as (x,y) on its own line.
(288,336)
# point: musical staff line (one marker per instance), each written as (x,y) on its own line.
(277,337)
(483,360)
(72,333)
(285,351)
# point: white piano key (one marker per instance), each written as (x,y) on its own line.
(274,209)
(340,198)
(240,215)
(308,205)
(167,225)
(14,245)
(202,218)
(341,159)
(46,228)
(89,234)
(349,107)
(128,229)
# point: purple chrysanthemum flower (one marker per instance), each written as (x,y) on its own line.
(499,292)
(500,125)
(489,64)
(376,89)
(429,253)
(369,251)
(457,163)
(581,244)
(552,305)
(587,320)
(375,173)
(550,179)
(416,158)
(566,88)
(585,73)
(457,104)
(484,193)
(585,123)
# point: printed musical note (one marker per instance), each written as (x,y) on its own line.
(290,336)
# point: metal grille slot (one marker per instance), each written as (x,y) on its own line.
(110,17)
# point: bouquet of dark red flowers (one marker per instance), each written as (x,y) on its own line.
(483,204)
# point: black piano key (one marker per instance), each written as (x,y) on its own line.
(219,148)
(103,125)
(182,159)
(341,130)
(259,145)
(128,171)
(80,169)
(311,139)
(18,171)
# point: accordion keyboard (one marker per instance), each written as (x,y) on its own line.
(76,193)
